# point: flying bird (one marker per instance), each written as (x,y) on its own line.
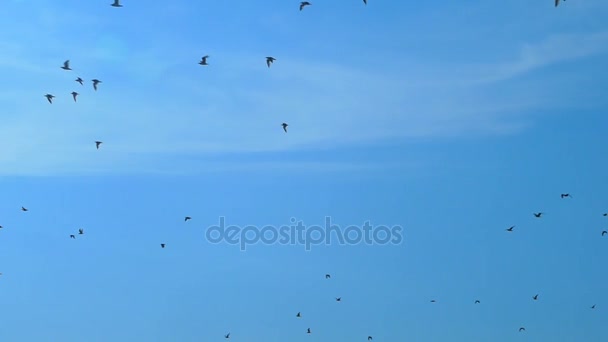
(74,94)
(538,214)
(604,232)
(284,126)
(50,98)
(227,335)
(162,245)
(298,315)
(432,301)
(477,302)
(204,60)
(327,276)
(24,209)
(605,214)
(338,299)
(116,3)
(566,195)
(80,231)
(593,306)
(535,297)
(308,331)
(66,65)
(270,60)
(187,218)
(79,80)
(369,338)
(522,329)
(72,236)
(304,4)
(95,83)
(510,229)
(97,143)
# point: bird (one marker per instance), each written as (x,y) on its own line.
(605,214)
(74,94)
(308,331)
(566,195)
(95,83)
(284,126)
(365,2)
(80,231)
(79,80)
(204,60)
(327,276)
(510,229)
(72,236)
(477,302)
(24,209)
(535,297)
(116,3)
(227,335)
(369,338)
(97,143)
(433,301)
(162,245)
(187,218)
(522,329)
(538,214)
(593,306)
(66,65)
(298,315)
(270,60)
(338,299)
(304,4)
(604,232)
(50,98)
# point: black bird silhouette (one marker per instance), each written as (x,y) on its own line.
(566,195)
(433,301)
(327,276)
(24,209)
(95,83)
(80,231)
(604,232)
(74,94)
(304,4)
(73,236)
(79,80)
(162,245)
(116,3)
(369,338)
(535,297)
(97,143)
(605,214)
(284,126)
(298,315)
(338,299)
(227,335)
(510,229)
(50,98)
(270,60)
(477,302)
(204,60)
(593,306)
(308,331)
(538,214)
(522,329)
(187,218)
(66,65)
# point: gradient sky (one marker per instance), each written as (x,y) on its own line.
(454,120)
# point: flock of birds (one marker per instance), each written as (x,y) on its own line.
(269,61)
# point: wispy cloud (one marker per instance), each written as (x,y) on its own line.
(157,102)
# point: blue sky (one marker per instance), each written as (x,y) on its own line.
(454,120)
